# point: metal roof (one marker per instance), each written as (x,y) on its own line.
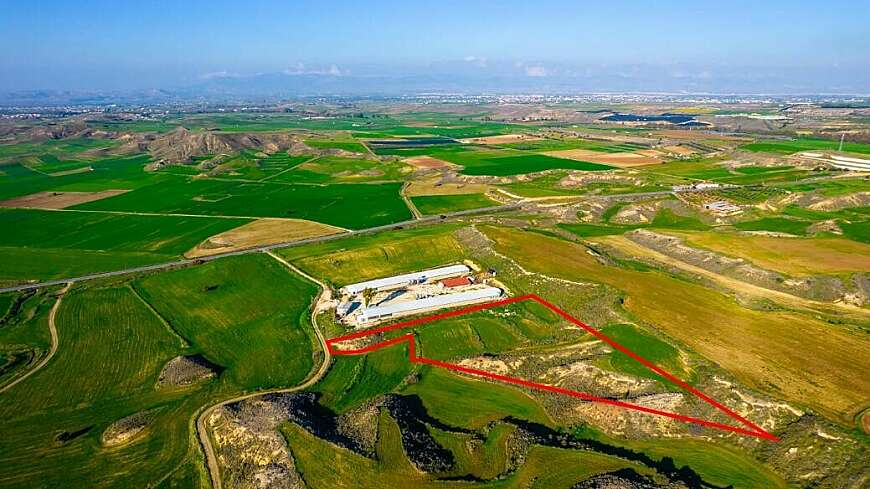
(430,302)
(399,280)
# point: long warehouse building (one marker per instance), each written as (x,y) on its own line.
(421,305)
(398,281)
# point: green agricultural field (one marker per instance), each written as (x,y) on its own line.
(250,165)
(346,205)
(248,314)
(718,463)
(647,346)
(346,145)
(353,380)
(351,260)
(332,169)
(805,144)
(111,349)
(108,173)
(440,204)
(775,224)
(50,244)
(664,219)
(439,390)
(504,163)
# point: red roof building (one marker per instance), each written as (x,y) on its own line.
(456,281)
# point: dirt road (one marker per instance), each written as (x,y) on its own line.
(408,202)
(52,328)
(808,305)
(201,427)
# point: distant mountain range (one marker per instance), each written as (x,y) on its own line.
(468,78)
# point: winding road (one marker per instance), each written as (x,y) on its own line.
(52,329)
(201,422)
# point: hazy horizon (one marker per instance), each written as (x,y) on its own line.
(268,47)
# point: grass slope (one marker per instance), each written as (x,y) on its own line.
(247,314)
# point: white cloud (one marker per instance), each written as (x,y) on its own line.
(536,71)
(475,60)
(219,74)
(301,69)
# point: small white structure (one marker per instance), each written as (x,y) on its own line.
(421,305)
(399,281)
(705,186)
(722,207)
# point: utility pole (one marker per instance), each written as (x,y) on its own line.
(842,136)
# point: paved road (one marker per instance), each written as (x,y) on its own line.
(260,249)
(409,223)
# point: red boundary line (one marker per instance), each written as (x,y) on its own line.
(748,429)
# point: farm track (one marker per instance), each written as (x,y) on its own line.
(267,178)
(52,328)
(739,286)
(409,202)
(202,430)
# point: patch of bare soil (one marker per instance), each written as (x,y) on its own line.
(127,429)
(250,450)
(680,150)
(817,202)
(502,139)
(58,200)
(261,232)
(441,186)
(581,179)
(858,199)
(84,169)
(622,160)
(426,162)
(182,371)
(829,226)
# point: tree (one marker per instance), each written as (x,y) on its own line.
(368,294)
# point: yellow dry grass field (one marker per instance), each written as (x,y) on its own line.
(622,160)
(787,354)
(695,135)
(435,187)
(261,232)
(58,200)
(791,256)
(502,139)
(426,162)
(680,150)
(74,171)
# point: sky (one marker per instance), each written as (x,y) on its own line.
(145,44)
